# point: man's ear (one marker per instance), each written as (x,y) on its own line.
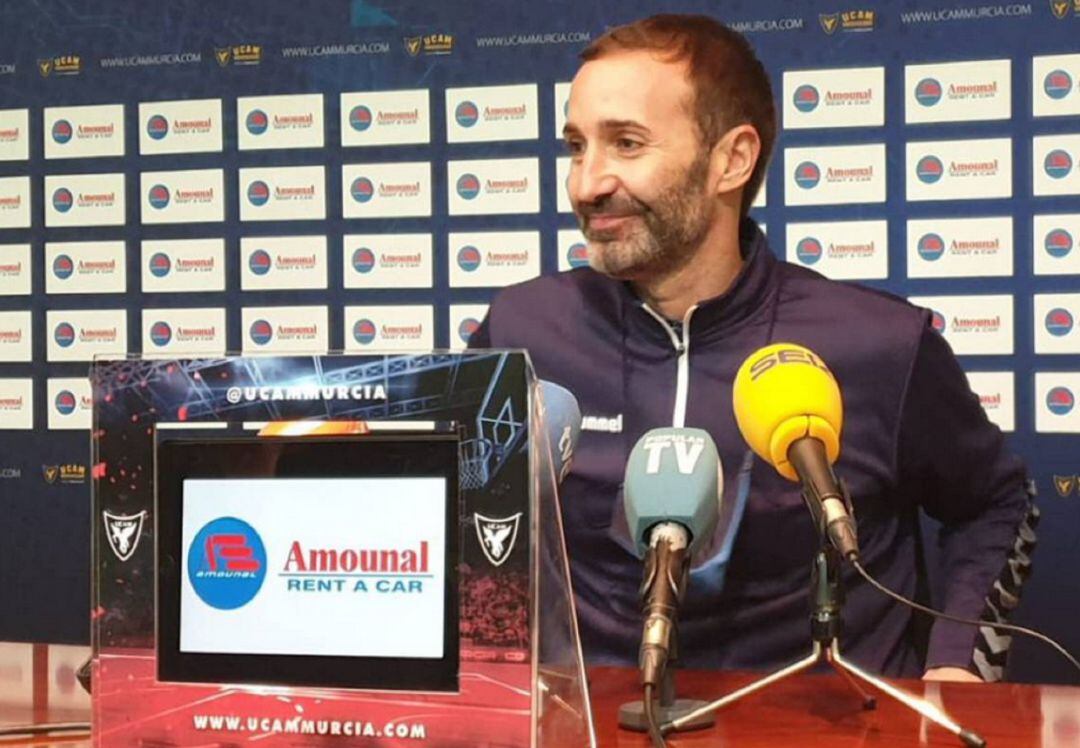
(734,157)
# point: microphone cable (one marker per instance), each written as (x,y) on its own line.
(966,621)
(655,736)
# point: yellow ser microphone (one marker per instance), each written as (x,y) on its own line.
(789,410)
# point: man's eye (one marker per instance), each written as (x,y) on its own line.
(574,147)
(626,144)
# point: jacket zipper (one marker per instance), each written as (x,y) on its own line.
(682,375)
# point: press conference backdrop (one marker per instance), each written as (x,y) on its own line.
(282,175)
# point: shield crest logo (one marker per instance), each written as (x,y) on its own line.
(497,536)
(223,56)
(45,67)
(1064,484)
(412,45)
(1059,8)
(123,532)
(829,22)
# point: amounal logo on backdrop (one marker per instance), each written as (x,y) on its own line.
(260,262)
(261,332)
(577,256)
(467,327)
(64,335)
(160,264)
(929,169)
(1060,401)
(62,200)
(65,402)
(258,193)
(159,196)
(360,118)
(63,267)
(256,122)
(807,175)
(466,114)
(806,98)
(160,333)
(468,258)
(468,186)
(808,250)
(362,190)
(157,127)
(937,320)
(931,247)
(1059,322)
(1057,84)
(928,91)
(62,131)
(1058,164)
(1058,243)
(364,331)
(363,260)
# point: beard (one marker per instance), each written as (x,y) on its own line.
(661,236)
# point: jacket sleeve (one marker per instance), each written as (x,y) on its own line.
(956,462)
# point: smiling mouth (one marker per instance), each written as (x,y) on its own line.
(606,222)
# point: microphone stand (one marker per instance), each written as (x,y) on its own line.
(826,626)
(632,714)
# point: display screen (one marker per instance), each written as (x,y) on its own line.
(309,562)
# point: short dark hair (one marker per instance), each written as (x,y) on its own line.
(730,84)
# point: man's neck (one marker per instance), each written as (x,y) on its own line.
(709,273)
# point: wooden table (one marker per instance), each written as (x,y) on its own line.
(803,712)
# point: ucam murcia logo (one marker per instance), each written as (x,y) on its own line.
(14,140)
(15,270)
(388,260)
(282,193)
(492,113)
(123,531)
(181,265)
(464,320)
(16,404)
(84,131)
(1056,165)
(1055,321)
(959,169)
(841,250)
(1055,402)
(173,333)
(842,97)
(268,122)
(497,536)
(84,200)
(14,202)
(958,91)
(191,196)
(494,186)
(16,342)
(284,329)
(1055,85)
(1054,247)
(834,175)
(386,118)
(393,190)
(81,334)
(493,259)
(960,247)
(996,392)
(848,20)
(85,267)
(283,263)
(184,126)
(389,328)
(974,325)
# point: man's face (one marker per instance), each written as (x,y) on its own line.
(639,171)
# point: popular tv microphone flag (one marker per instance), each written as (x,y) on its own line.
(671,495)
(789,410)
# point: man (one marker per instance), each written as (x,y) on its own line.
(670,126)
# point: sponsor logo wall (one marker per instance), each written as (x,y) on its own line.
(299,205)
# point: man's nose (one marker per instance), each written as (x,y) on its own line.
(591,178)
